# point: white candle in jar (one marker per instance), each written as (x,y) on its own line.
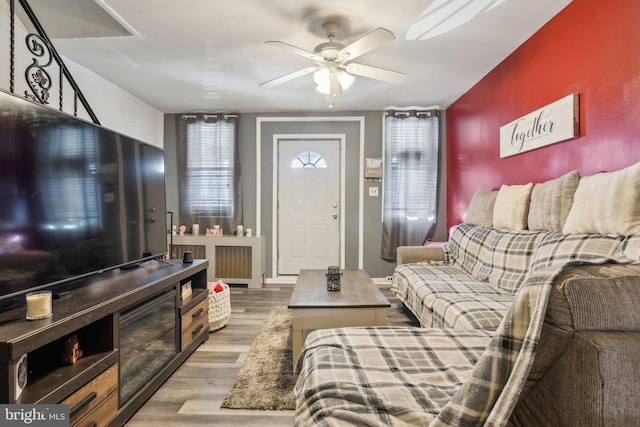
(38,304)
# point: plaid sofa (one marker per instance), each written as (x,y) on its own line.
(525,328)
(565,354)
(472,280)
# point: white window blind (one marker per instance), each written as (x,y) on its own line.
(210,169)
(411,143)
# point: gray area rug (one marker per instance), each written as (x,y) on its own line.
(266,380)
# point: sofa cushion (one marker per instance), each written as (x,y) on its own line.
(480,211)
(470,311)
(468,247)
(559,249)
(551,202)
(411,254)
(596,297)
(418,285)
(607,203)
(382,376)
(509,258)
(512,207)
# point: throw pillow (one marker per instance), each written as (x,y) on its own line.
(551,202)
(607,203)
(512,207)
(480,210)
(468,246)
(509,258)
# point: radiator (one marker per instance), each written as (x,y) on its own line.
(236,260)
(233,262)
(198,251)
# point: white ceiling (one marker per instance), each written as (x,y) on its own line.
(205,55)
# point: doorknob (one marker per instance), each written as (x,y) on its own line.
(335,205)
(335,216)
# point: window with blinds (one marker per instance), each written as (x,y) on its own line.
(210,170)
(411,142)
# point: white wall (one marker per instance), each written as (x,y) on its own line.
(115,108)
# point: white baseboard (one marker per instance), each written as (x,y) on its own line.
(281,280)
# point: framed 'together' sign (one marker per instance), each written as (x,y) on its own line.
(556,122)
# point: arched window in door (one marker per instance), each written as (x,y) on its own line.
(309,159)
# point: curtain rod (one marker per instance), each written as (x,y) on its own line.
(417,113)
(209,116)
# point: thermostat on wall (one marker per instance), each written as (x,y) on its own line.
(373,168)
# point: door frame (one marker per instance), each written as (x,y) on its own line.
(262,123)
(274,203)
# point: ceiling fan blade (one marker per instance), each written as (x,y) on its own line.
(376,73)
(296,50)
(290,76)
(376,38)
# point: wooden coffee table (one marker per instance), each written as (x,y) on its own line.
(358,303)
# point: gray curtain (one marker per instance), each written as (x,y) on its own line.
(410,181)
(209,172)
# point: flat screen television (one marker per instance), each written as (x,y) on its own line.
(76,199)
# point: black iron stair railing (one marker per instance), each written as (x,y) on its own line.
(43,53)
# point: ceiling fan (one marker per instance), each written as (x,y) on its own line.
(333,70)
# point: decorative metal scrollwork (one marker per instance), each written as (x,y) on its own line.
(44,54)
(36,74)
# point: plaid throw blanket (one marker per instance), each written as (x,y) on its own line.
(383,376)
(435,377)
(419,286)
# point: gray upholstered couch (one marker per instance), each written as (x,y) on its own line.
(563,300)
(471,282)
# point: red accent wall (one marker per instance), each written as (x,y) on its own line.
(592,47)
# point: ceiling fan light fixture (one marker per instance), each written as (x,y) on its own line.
(323,89)
(334,86)
(324,80)
(322,77)
(345,79)
(334,72)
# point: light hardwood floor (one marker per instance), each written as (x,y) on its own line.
(192,396)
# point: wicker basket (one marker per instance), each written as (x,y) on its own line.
(219,308)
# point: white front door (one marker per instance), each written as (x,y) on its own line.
(308,204)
